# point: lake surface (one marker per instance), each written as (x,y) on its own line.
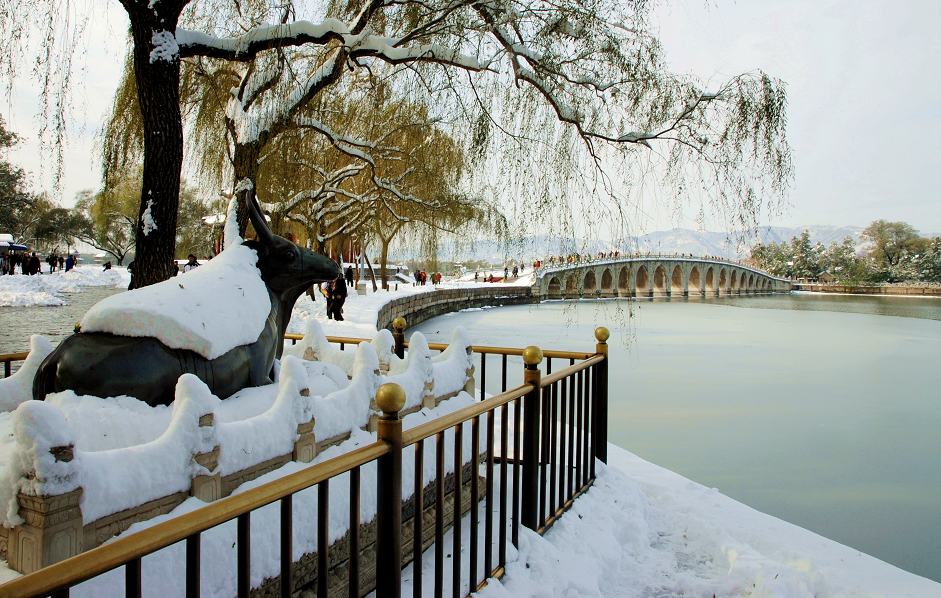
(822,410)
(55,323)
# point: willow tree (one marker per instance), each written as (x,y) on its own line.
(589,74)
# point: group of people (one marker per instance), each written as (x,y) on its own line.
(421,278)
(517,270)
(30,264)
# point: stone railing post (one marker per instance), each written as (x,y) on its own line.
(52,528)
(390,398)
(532,406)
(469,386)
(305,447)
(207,487)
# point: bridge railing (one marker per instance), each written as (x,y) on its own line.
(536,455)
(548,268)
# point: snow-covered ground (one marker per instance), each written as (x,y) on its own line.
(47,288)
(644,531)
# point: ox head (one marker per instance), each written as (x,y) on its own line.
(284,266)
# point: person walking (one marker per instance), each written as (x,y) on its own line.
(191,263)
(506,273)
(417,278)
(338,298)
(69,262)
(349,276)
(326,289)
(35,266)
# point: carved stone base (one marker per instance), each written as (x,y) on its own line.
(52,531)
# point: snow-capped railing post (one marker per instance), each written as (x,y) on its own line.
(51,530)
(398,333)
(469,372)
(532,403)
(391,399)
(305,447)
(207,487)
(599,388)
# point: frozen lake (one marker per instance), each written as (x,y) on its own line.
(822,410)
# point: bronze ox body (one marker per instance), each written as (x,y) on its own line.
(106,365)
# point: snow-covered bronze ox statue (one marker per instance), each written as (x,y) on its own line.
(132,353)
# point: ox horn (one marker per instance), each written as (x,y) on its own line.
(257,218)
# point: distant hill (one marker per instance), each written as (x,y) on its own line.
(677,240)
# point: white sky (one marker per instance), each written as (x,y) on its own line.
(864,115)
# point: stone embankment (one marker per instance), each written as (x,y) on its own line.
(423,306)
(908,290)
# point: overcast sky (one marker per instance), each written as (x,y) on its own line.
(864,100)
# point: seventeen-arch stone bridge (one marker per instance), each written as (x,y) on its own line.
(654,276)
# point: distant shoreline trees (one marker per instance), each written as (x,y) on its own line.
(891,252)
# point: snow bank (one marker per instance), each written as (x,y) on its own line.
(271,434)
(415,373)
(347,409)
(111,423)
(34,468)
(219,306)
(656,533)
(119,479)
(19,387)
(45,289)
(451,365)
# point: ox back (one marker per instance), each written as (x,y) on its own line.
(106,365)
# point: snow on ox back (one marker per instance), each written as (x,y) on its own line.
(210,310)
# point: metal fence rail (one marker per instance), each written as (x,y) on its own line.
(540,442)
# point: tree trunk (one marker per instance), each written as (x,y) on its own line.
(383,260)
(245,166)
(372,273)
(158,93)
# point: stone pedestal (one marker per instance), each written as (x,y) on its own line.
(305,447)
(51,531)
(207,487)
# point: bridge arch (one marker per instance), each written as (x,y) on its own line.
(694,283)
(590,283)
(710,282)
(734,281)
(642,282)
(607,283)
(660,280)
(676,281)
(751,283)
(554,289)
(723,281)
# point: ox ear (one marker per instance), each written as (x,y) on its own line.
(265,236)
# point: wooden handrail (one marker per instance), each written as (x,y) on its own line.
(109,556)
(454,418)
(554,377)
(4,357)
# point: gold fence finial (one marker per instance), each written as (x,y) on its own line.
(532,355)
(399,323)
(602,334)
(390,398)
